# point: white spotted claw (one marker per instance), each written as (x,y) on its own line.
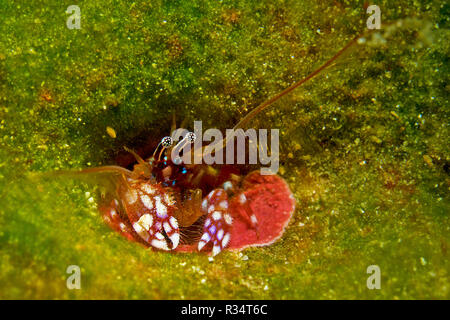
(218,222)
(152,220)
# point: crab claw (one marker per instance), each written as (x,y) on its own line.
(149,209)
(216,229)
(163,234)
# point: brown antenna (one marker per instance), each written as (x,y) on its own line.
(272,100)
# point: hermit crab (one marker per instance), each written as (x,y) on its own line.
(180,207)
(167,204)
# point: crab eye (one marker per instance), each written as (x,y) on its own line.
(166,142)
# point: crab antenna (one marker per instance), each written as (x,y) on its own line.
(328,63)
(277,97)
(138,157)
(252,114)
(105,169)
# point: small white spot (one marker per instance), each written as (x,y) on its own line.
(423,261)
(220,234)
(205,237)
(205,204)
(131,196)
(140,231)
(113,213)
(227,185)
(225,240)
(147,188)
(146,221)
(147,201)
(201,244)
(169,200)
(161,209)
(175,238)
(216,215)
(173,222)
(122,226)
(137,227)
(223,204)
(159,236)
(159,244)
(242,198)
(211,208)
(253,219)
(167,227)
(216,250)
(228,218)
(207,222)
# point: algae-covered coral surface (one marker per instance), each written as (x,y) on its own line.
(363,146)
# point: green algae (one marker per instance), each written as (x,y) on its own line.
(363,147)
